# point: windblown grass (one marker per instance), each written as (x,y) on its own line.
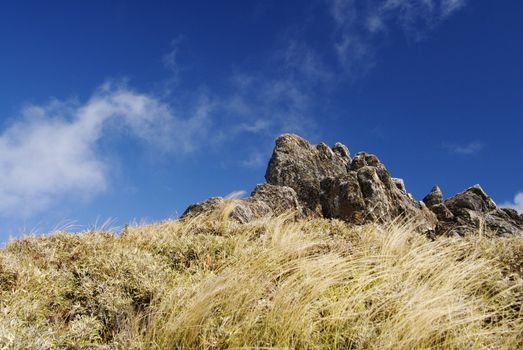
(210,283)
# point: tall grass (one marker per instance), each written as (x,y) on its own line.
(211,283)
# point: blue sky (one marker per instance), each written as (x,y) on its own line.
(131,110)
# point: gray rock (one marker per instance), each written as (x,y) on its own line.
(244,210)
(280,199)
(472,211)
(298,164)
(249,209)
(343,152)
(264,200)
(342,198)
(369,194)
(400,184)
(442,212)
(435,197)
(502,222)
(204,207)
(473,198)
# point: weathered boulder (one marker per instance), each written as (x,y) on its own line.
(298,164)
(280,199)
(473,198)
(206,206)
(243,210)
(367,193)
(264,200)
(502,222)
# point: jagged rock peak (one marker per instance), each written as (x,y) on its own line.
(473,198)
(400,184)
(435,197)
(342,151)
(298,164)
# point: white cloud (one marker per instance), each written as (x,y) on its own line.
(51,150)
(517,204)
(466,149)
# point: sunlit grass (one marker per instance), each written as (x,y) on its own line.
(211,283)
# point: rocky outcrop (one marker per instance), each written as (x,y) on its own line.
(319,181)
(301,166)
(264,200)
(367,193)
(472,211)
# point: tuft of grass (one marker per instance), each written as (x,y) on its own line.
(211,283)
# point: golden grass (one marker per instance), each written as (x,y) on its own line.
(210,283)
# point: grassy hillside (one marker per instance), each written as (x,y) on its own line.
(211,283)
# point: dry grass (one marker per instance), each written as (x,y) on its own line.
(211,283)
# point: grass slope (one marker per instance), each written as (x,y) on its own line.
(210,283)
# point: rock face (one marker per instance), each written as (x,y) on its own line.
(280,199)
(301,166)
(319,181)
(367,193)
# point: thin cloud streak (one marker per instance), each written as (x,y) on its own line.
(469,149)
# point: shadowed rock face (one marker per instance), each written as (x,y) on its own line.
(472,211)
(319,181)
(367,193)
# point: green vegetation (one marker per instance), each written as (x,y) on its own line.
(211,283)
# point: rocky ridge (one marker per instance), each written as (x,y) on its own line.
(320,181)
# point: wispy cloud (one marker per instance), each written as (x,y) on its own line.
(52,150)
(360,24)
(301,61)
(256,160)
(270,105)
(468,149)
(171,62)
(517,204)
